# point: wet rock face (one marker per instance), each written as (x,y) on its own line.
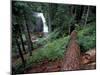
(39,25)
(72,54)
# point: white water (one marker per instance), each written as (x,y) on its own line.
(45,27)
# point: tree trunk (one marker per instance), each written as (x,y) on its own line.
(20,52)
(71,59)
(31,46)
(20,34)
(49,19)
(83,15)
(29,37)
(87,15)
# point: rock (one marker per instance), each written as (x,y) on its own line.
(89,56)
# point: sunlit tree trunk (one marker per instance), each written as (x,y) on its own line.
(87,14)
(49,19)
(83,15)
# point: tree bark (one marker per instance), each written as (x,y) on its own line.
(20,34)
(49,19)
(72,54)
(29,40)
(29,37)
(87,15)
(20,52)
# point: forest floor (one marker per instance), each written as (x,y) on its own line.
(55,66)
(46,66)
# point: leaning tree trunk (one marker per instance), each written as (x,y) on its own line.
(31,46)
(19,30)
(72,54)
(20,34)
(15,30)
(20,52)
(29,37)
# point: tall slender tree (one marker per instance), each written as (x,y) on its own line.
(20,34)
(21,10)
(16,35)
(87,14)
(29,37)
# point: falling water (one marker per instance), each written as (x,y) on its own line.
(45,27)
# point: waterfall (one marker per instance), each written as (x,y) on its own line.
(45,27)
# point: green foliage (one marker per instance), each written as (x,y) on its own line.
(87,37)
(35,45)
(49,38)
(50,51)
(61,21)
(54,49)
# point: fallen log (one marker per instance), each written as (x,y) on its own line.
(71,59)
